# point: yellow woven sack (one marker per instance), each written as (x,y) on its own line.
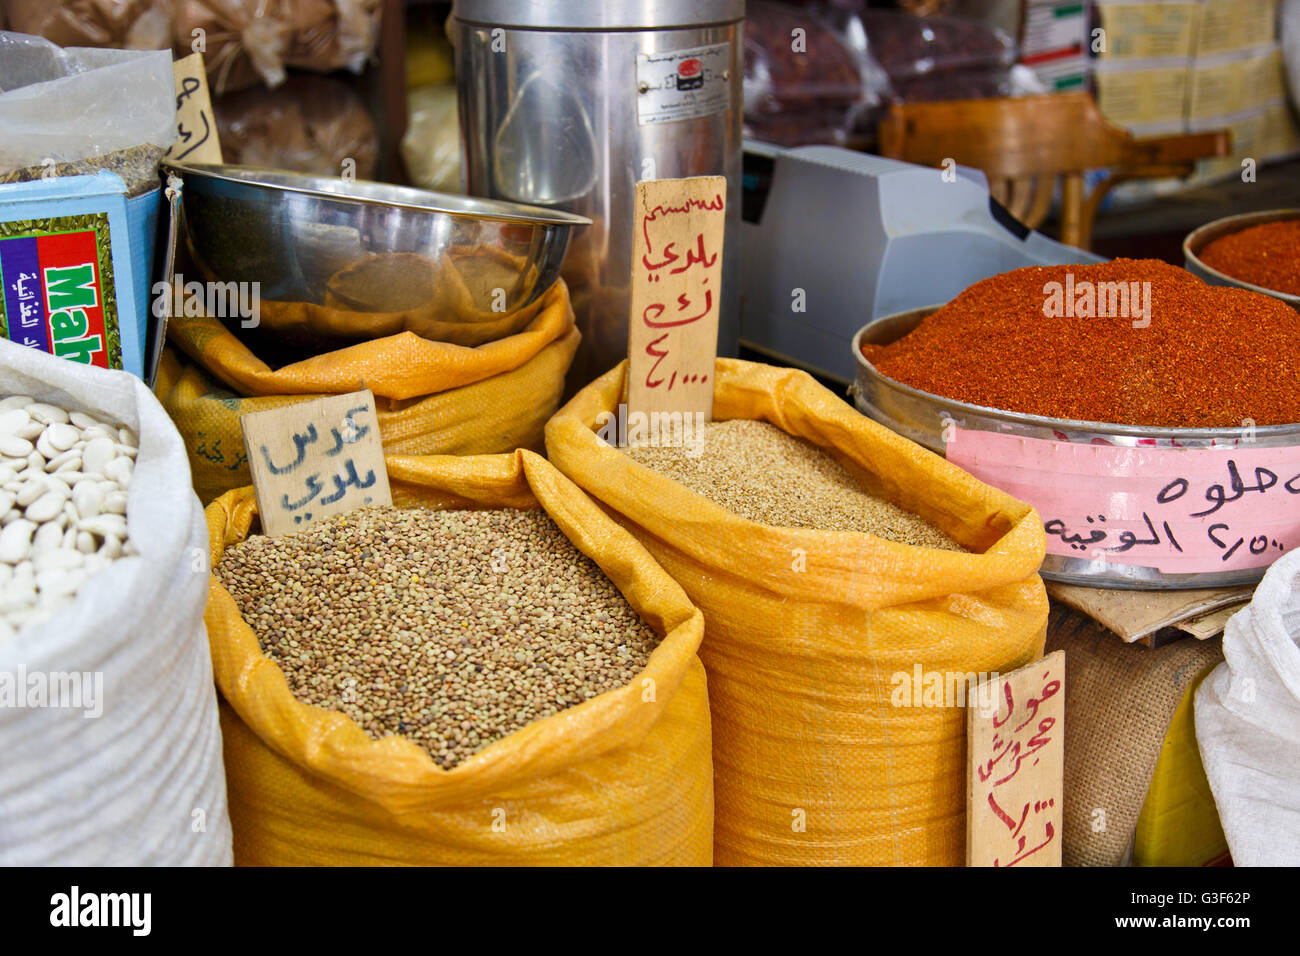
(807,632)
(431,397)
(1179,823)
(622,779)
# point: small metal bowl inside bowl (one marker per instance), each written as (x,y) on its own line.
(339,261)
(1198,239)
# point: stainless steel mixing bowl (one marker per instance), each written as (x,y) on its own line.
(330,247)
(1198,239)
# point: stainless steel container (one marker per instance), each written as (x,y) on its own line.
(1200,238)
(568,103)
(924,418)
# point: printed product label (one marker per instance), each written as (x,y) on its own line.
(683,84)
(55,296)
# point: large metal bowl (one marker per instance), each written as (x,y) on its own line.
(1198,239)
(331,247)
(923,418)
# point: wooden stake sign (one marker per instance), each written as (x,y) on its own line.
(676,294)
(1015,768)
(196,130)
(315,459)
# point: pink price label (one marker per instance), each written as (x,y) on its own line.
(1179,510)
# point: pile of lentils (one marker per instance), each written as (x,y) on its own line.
(453,629)
(63,494)
(1211,357)
(761,473)
(1267,255)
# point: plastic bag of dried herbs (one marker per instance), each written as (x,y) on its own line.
(47,93)
(433,397)
(819,644)
(624,778)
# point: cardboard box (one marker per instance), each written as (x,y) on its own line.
(1143,93)
(1139,31)
(1231,25)
(1235,83)
(1266,134)
(67,282)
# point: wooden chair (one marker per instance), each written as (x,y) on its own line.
(1024,143)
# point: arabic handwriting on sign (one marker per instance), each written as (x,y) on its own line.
(681,244)
(185,135)
(1012,753)
(300,442)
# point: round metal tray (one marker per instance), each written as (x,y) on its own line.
(1198,239)
(922,417)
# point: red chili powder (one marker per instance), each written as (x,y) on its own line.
(1267,256)
(1210,357)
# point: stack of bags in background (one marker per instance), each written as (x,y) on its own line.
(307,122)
(1175,66)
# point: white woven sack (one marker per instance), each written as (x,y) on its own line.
(142,782)
(1248,724)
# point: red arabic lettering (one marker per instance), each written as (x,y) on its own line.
(1051,832)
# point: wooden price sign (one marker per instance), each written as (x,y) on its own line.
(676,293)
(196,130)
(315,459)
(1015,767)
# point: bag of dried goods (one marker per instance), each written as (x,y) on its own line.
(311,124)
(823,751)
(110,751)
(1122,703)
(451,682)
(433,397)
(1248,723)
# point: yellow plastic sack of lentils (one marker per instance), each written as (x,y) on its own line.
(622,779)
(432,397)
(819,758)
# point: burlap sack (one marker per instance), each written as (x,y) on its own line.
(1119,702)
(622,779)
(431,397)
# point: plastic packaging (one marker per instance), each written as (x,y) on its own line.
(431,144)
(312,124)
(803,82)
(47,93)
(244,42)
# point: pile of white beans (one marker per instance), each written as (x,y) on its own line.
(63,490)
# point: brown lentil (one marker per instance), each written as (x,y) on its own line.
(761,473)
(451,628)
(1267,255)
(1211,357)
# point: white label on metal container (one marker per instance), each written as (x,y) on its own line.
(683,84)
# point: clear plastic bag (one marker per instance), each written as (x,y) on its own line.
(431,144)
(312,124)
(803,82)
(68,108)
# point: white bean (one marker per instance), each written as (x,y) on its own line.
(12,446)
(45,414)
(16,540)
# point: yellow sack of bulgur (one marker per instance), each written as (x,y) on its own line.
(622,779)
(432,397)
(810,635)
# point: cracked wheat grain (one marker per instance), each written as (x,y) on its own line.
(759,472)
(451,628)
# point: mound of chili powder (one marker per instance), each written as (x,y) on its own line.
(1210,357)
(1267,256)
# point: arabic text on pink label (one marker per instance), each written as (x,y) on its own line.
(1179,510)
